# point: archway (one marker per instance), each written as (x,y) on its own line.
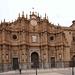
(15,63)
(73,60)
(35,60)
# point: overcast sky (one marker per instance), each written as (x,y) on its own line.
(58,11)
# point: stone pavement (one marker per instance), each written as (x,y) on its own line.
(66,71)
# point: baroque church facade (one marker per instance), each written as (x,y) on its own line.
(27,42)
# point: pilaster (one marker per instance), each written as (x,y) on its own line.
(4,52)
(0,54)
(62,53)
(9,55)
(46,53)
(27,49)
(20,52)
(23,36)
(24,51)
(3,36)
(42,54)
(57,49)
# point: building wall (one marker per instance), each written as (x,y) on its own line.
(19,39)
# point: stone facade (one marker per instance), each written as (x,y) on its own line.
(26,41)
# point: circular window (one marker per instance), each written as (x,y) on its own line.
(14,37)
(51,38)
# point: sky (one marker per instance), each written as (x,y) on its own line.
(58,11)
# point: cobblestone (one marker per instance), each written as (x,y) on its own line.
(66,71)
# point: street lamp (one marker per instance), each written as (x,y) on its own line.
(36,64)
(72,66)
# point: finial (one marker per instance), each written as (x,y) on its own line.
(40,17)
(38,14)
(47,18)
(58,24)
(26,16)
(22,13)
(1,21)
(30,12)
(9,22)
(19,15)
(4,20)
(12,20)
(45,15)
(33,9)
(35,13)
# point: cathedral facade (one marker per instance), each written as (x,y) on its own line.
(26,43)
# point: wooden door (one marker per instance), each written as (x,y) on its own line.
(15,63)
(35,60)
(52,62)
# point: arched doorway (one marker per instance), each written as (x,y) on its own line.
(35,60)
(73,59)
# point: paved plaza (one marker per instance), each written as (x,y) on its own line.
(66,71)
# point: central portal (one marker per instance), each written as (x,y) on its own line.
(15,63)
(35,60)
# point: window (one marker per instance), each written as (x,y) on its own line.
(34,38)
(14,37)
(44,56)
(23,56)
(74,39)
(6,56)
(26,56)
(51,38)
(2,56)
(69,32)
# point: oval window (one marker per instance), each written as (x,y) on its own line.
(14,37)
(51,38)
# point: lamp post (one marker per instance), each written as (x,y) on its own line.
(72,66)
(36,64)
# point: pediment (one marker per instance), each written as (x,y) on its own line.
(15,25)
(73,26)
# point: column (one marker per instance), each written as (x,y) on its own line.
(3,36)
(10,58)
(42,54)
(20,54)
(0,59)
(24,65)
(23,35)
(62,53)
(4,52)
(0,54)
(28,58)
(62,56)
(42,57)
(61,38)
(9,55)
(46,63)
(46,53)
(41,38)
(24,52)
